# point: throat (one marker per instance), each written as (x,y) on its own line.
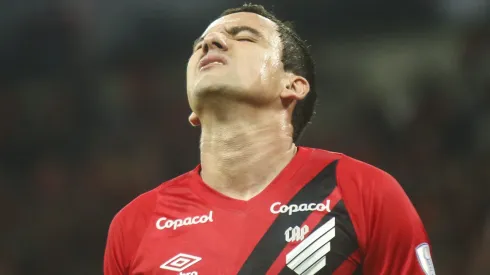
(243,174)
(241,155)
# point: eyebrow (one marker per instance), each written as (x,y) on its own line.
(234,31)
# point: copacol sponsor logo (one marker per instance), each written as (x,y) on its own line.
(163,223)
(277,207)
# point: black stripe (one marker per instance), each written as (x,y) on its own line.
(287,271)
(345,241)
(273,242)
(342,245)
(358,270)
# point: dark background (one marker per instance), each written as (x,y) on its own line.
(93,112)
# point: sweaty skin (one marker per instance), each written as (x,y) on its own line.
(243,104)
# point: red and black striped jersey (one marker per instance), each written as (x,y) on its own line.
(325,213)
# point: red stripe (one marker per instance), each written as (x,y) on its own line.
(349,266)
(312,221)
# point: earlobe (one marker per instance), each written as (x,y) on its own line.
(194,120)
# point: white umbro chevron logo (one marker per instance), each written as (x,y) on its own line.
(309,256)
(180,262)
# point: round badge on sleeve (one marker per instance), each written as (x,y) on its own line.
(425,260)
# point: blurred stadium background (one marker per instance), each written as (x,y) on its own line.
(94,111)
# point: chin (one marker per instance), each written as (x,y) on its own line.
(212,86)
(218,87)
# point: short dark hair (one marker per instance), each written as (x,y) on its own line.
(296,58)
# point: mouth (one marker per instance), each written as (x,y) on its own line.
(211,60)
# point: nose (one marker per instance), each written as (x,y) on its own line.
(214,41)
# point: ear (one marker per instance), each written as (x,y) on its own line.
(295,87)
(194,120)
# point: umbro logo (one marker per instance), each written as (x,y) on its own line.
(180,262)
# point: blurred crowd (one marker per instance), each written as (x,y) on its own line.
(87,124)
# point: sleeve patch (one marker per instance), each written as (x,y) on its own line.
(425,259)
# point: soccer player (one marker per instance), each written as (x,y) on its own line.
(257,203)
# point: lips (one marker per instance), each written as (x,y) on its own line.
(211,60)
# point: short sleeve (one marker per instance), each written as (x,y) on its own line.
(114,258)
(398,242)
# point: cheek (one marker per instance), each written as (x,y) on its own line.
(190,66)
(190,71)
(257,66)
(268,69)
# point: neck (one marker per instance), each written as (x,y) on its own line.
(242,154)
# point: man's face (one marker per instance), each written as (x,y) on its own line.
(238,55)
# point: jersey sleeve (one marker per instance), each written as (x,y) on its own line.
(391,236)
(126,231)
(114,258)
(399,243)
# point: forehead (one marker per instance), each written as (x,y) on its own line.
(258,22)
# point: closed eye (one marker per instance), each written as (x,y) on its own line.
(245,39)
